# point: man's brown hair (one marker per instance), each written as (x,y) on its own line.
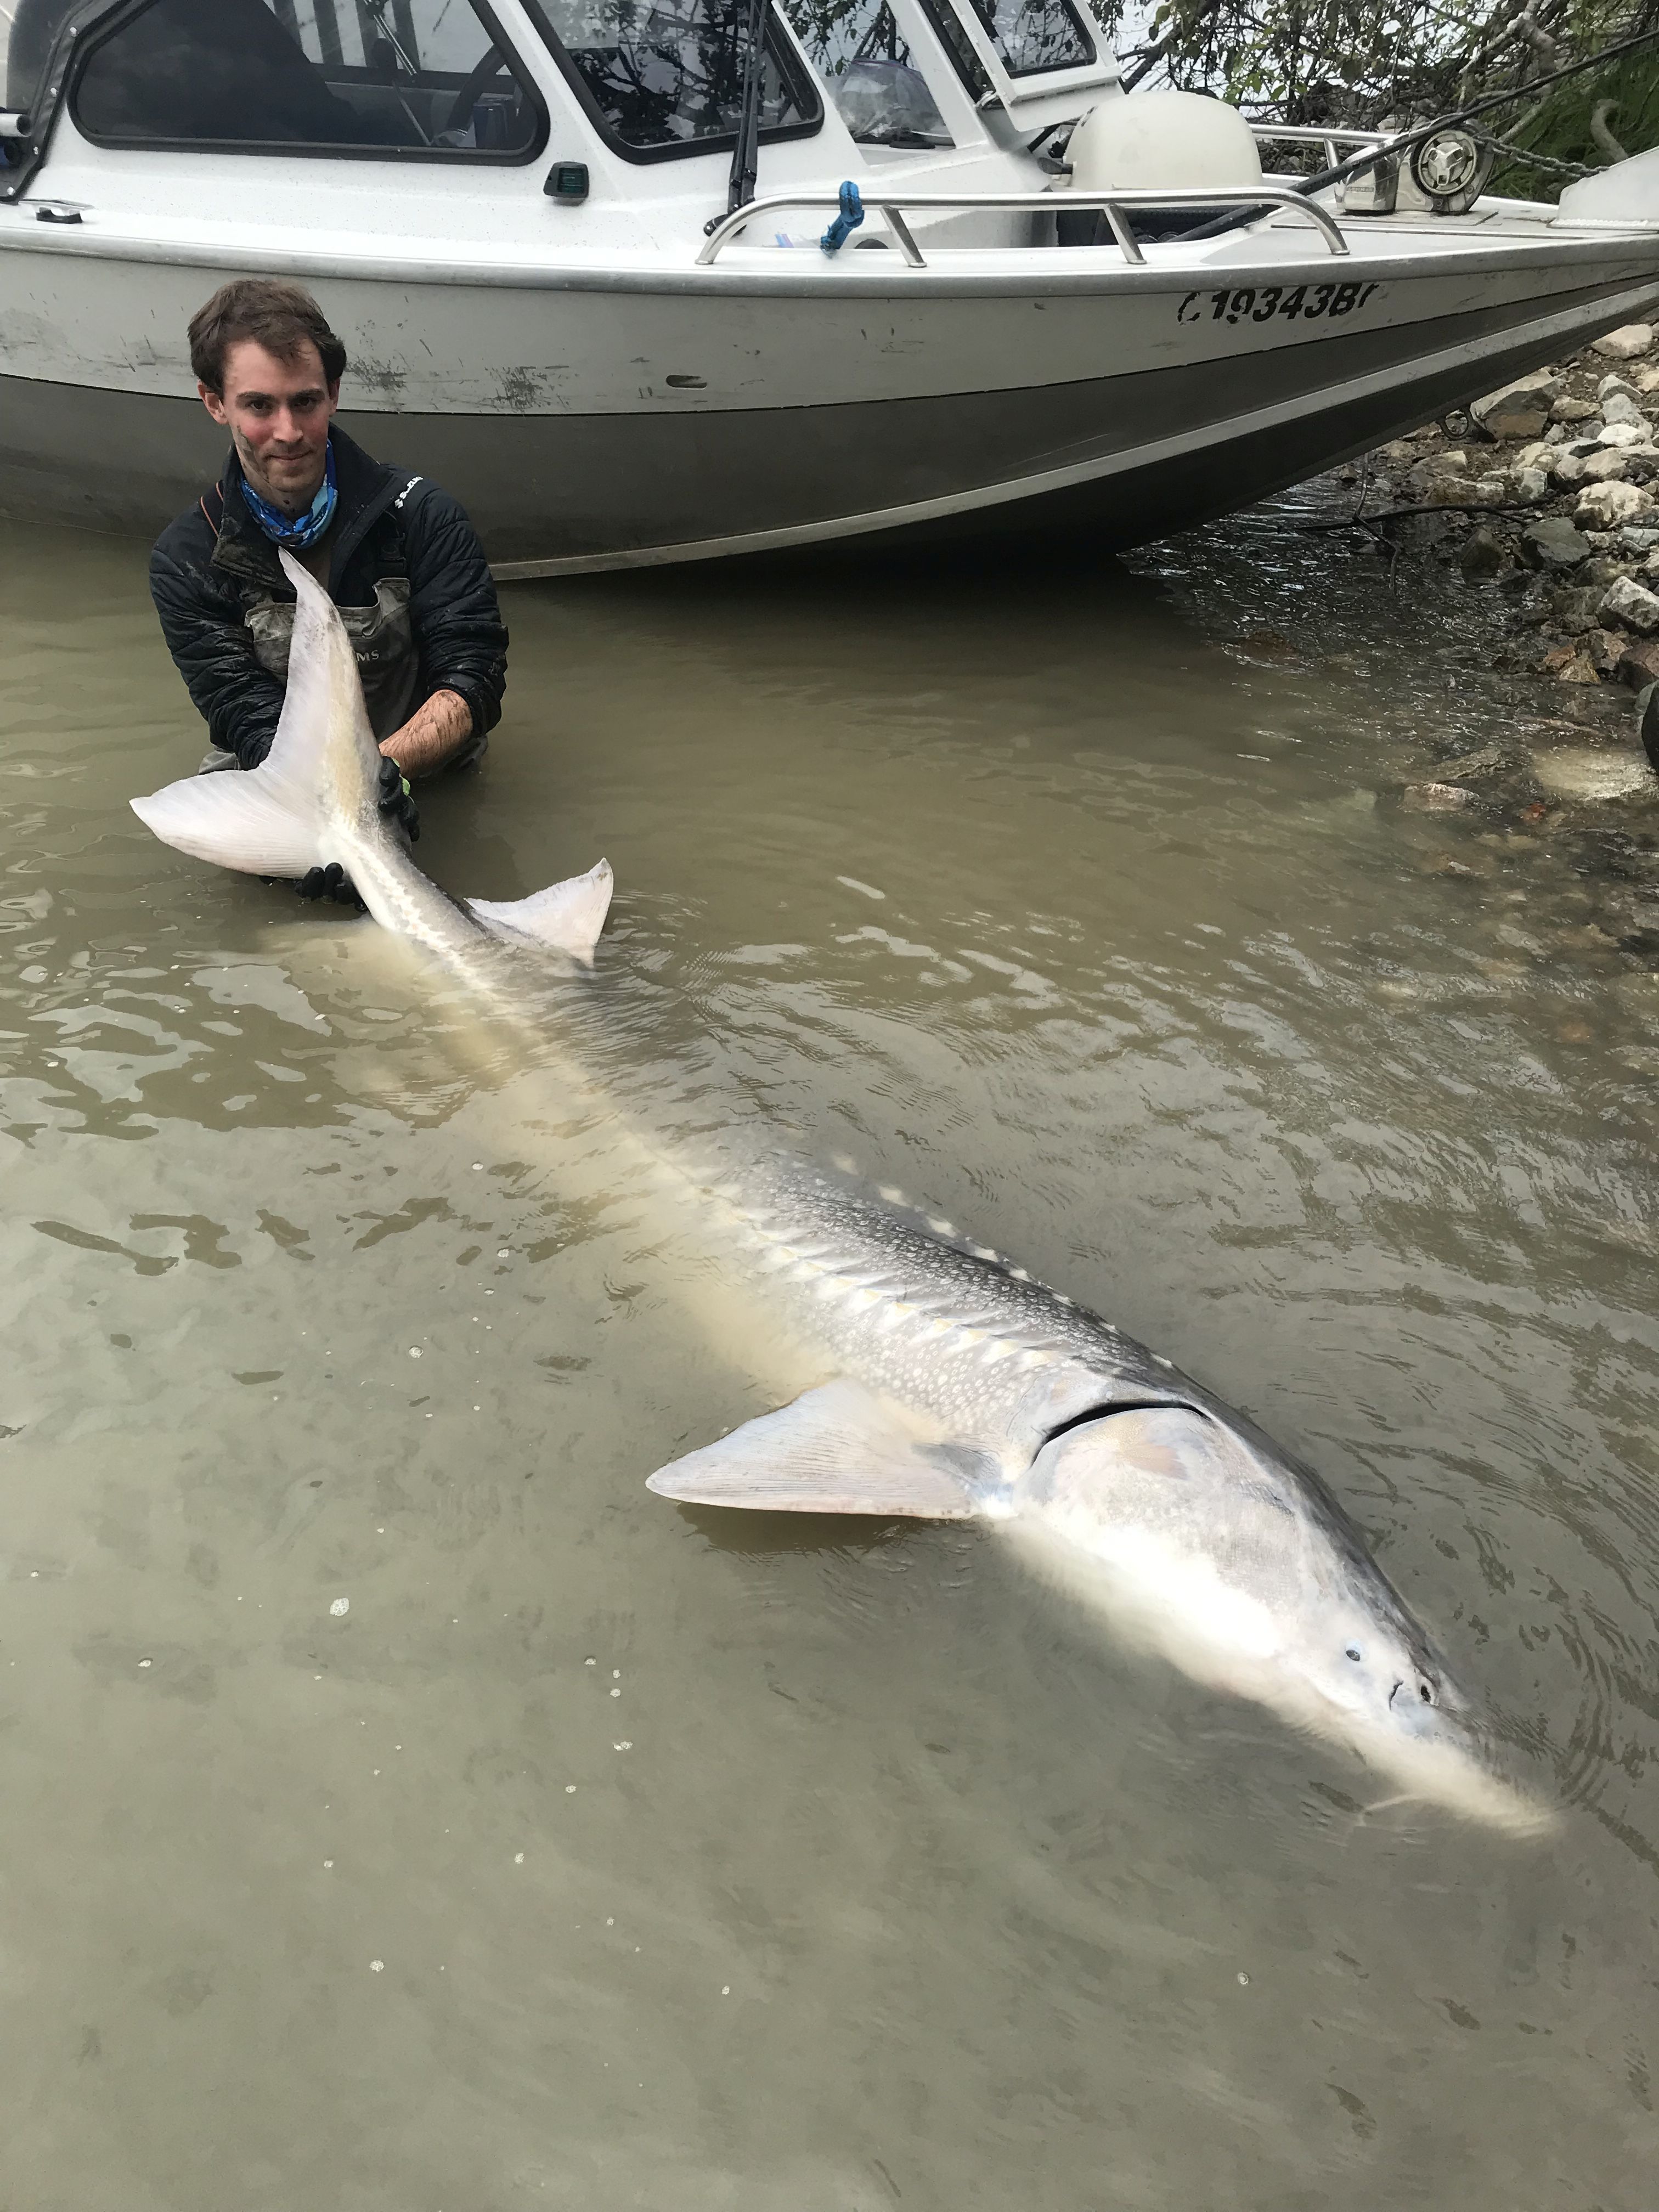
(277,316)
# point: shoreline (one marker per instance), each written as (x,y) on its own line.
(1543,497)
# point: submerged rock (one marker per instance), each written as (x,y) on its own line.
(1481,554)
(1589,773)
(1437,798)
(1576,609)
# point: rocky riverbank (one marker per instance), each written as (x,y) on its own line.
(1545,496)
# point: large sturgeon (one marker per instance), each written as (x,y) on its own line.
(956,1387)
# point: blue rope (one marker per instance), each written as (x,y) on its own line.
(851,216)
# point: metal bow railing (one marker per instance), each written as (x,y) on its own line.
(893,206)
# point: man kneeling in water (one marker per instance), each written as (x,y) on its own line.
(398,555)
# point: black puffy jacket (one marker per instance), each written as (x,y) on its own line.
(213,566)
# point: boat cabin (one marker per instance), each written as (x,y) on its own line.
(611,102)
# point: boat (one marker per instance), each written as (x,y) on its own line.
(654,280)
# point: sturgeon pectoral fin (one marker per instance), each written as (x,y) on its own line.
(835,1450)
(568,917)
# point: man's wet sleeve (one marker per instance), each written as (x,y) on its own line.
(457,620)
(240,701)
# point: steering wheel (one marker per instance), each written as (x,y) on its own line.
(492,64)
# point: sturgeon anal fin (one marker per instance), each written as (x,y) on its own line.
(835,1450)
(567,916)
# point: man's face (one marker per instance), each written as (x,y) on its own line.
(277,413)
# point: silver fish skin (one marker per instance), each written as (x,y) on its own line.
(956,1387)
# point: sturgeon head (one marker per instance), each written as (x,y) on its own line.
(1183,1530)
(1202,1541)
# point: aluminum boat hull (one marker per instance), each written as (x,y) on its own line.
(595,424)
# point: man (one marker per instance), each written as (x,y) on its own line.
(397,555)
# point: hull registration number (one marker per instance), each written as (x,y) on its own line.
(1252,305)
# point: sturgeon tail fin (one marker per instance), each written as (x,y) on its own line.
(235,821)
(567,917)
(285,816)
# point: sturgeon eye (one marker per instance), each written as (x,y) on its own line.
(1354,1651)
(1426,1694)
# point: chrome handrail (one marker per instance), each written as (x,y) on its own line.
(893,206)
(1314,134)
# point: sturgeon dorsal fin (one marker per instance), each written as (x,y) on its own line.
(835,1450)
(567,917)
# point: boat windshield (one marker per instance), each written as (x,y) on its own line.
(1030,36)
(857,47)
(662,77)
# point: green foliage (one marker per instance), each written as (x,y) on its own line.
(1344,62)
(1560,125)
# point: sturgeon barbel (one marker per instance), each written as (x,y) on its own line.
(954,1387)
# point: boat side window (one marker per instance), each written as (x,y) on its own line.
(664,78)
(1029,36)
(882,97)
(403,78)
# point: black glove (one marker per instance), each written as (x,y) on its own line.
(395,799)
(330,883)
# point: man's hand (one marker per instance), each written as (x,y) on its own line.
(432,734)
(395,802)
(330,883)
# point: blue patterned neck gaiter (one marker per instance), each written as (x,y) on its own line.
(296,531)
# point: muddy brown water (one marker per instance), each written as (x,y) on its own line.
(406,1812)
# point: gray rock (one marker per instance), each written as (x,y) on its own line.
(1629,343)
(1566,410)
(1605,505)
(1426,472)
(1632,605)
(1601,570)
(1616,382)
(1528,484)
(1619,406)
(1513,418)
(1552,543)
(1605,466)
